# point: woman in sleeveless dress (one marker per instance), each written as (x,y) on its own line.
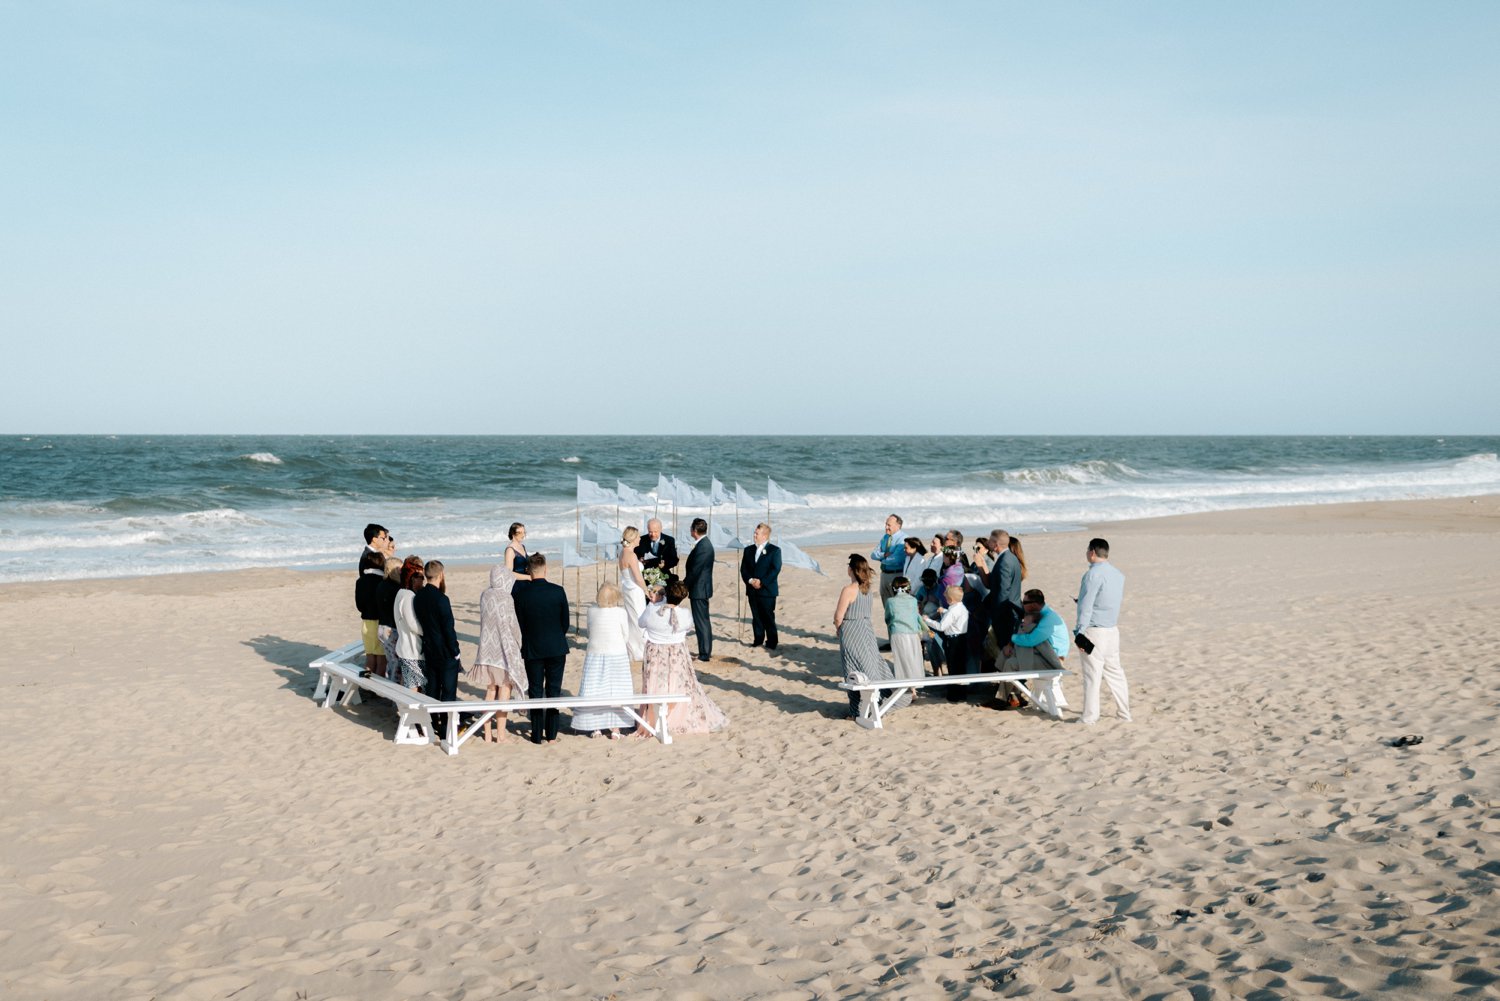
(857,647)
(498,665)
(606,666)
(668,669)
(515,550)
(632,590)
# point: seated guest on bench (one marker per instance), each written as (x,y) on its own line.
(668,670)
(439,639)
(408,630)
(606,666)
(953,627)
(1042,646)
(542,611)
(498,665)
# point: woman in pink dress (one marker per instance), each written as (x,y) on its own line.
(668,670)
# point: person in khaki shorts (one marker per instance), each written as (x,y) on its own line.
(1098,634)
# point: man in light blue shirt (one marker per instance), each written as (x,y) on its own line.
(891,555)
(1099,597)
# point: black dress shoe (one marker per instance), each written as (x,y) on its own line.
(704,657)
(772,646)
(885,648)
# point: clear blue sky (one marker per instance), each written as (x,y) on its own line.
(772,217)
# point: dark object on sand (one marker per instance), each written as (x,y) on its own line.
(1410,740)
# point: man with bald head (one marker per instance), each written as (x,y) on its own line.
(656,549)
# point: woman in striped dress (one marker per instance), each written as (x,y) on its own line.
(606,666)
(857,647)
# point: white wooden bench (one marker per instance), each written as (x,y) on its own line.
(340,681)
(873,708)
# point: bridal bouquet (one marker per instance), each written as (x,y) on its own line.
(655,577)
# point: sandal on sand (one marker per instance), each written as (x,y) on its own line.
(1410,740)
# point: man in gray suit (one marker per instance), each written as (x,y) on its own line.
(698,575)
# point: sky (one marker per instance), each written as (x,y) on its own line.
(812,217)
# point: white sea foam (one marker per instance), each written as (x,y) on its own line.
(268,458)
(572,458)
(70,539)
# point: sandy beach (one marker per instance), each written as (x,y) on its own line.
(183,822)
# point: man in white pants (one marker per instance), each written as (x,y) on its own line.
(1099,598)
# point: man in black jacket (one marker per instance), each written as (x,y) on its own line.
(434,613)
(542,611)
(656,549)
(699,578)
(760,569)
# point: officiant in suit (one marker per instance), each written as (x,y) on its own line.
(542,613)
(759,569)
(698,575)
(656,549)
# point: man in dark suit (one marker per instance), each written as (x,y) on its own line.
(542,612)
(656,549)
(434,613)
(759,569)
(699,578)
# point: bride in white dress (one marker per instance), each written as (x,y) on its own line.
(633,591)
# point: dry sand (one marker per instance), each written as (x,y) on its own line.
(181,821)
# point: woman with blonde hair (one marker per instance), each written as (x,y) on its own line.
(606,666)
(857,647)
(632,590)
(498,665)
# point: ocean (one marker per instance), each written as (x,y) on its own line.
(108,506)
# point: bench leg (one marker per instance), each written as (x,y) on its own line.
(663,732)
(321,691)
(410,719)
(473,728)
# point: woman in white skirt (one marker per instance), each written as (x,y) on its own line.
(606,666)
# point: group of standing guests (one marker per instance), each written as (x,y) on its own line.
(409,636)
(969,614)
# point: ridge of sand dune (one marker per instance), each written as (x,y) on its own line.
(182,822)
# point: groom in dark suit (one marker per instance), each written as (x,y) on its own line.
(759,569)
(656,549)
(542,612)
(699,578)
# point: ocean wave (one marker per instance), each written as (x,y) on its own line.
(268,458)
(572,458)
(49,543)
(1088,471)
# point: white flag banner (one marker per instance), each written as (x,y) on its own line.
(597,532)
(743,499)
(590,492)
(611,551)
(628,496)
(717,495)
(722,538)
(791,556)
(664,492)
(571,558)
(780,496)
(687,495)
